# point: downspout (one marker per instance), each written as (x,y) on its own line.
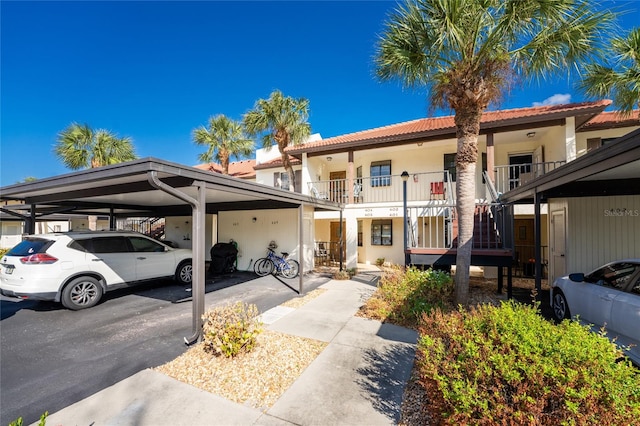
(198,206)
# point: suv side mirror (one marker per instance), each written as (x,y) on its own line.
(577,277)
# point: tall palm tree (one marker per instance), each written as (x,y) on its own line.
(467,53)
(79,146)
(620,80)
(224,138)
(282,120)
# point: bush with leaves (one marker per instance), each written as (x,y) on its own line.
(3,251)
(231,329)
(403,295)
(507,365)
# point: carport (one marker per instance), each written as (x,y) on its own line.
(153,187)
(611,170)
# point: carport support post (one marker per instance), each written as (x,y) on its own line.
(198,250)
(301,245)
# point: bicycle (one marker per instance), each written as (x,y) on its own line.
(264,266)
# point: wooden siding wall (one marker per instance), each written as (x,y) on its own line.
(600,230)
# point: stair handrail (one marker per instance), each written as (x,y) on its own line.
(493,192)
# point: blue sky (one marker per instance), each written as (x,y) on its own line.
(154,71)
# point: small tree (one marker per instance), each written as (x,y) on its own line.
(281,120)
(224,138)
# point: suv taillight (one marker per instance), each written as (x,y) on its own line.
(38,259)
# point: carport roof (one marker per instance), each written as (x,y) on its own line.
(613,169)
(126,189)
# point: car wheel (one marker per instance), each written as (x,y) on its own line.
(560,306)
(184,273)
(81,293)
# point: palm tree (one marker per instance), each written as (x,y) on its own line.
(79,146)
(621,80)
(224,138)
(282,120)
(467,53)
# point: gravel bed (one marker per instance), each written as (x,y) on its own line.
(256,379)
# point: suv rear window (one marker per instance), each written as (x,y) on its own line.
(30,246)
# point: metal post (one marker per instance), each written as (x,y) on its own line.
(538,243)
(405,177)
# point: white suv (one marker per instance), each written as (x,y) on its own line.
(77,268)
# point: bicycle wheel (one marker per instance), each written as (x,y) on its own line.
(263,267)
(291,269)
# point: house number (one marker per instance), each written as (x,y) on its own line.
(236,223)
(274,222)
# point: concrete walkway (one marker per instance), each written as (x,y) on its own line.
(358,379)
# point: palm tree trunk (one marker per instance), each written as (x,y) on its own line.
(467,130)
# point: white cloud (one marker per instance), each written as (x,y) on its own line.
(556,99)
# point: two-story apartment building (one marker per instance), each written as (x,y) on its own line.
(363,170)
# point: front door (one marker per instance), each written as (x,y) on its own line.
(524,245)
(519,167)
(558,240)
(334,246)
(337,186)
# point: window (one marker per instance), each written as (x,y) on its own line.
(145,245)
(484,165)
(360,237)
(281,180)
(108,245)
(450,166)
(616,275)
(381,173)
(381,233)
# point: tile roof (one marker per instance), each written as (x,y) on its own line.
(612,119)
(243,169)
(277,162)
(444,127)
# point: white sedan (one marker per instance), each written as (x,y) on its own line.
(608,296)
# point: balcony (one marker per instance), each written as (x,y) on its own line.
(513,176)
(384,189)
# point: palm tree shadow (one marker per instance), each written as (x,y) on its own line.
(385,377)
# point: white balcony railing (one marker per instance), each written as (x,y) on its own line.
(380,189)
(511,177)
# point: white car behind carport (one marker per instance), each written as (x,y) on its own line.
(609,296)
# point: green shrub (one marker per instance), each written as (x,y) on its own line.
(507,365)
(403,295)
(20,422)
(380,261)
(3,251)
(231,329)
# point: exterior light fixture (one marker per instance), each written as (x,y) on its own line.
(531,134)
(405,176)
(329,158)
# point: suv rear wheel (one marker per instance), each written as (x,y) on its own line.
(81,293)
